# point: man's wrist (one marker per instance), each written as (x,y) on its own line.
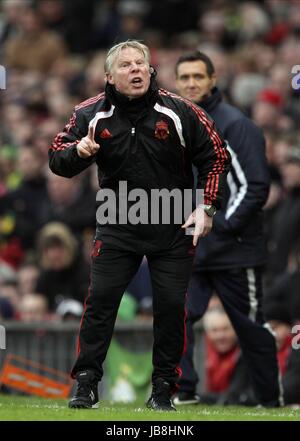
(210,210)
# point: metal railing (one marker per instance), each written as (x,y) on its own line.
(53,344)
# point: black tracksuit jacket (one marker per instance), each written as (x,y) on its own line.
(151,142)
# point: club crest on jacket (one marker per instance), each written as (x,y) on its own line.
(161,130)
(105,134)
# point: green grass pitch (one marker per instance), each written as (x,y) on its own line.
(14,408)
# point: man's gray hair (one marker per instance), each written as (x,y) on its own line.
(114,52)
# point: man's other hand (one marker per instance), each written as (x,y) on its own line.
(203,224)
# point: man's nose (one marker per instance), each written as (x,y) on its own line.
(191,82)
(134,67)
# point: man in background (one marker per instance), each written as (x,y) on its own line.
(230,259)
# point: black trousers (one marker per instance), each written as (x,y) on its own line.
(240,292)
(112,270)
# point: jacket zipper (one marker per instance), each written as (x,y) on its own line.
(134,146)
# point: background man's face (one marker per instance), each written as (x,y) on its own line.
(221,334)
(130,73)
(193,81)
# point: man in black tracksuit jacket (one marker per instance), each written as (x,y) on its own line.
(229,260)
(149,138)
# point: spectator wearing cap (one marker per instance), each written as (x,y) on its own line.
(69,309)
(267,108)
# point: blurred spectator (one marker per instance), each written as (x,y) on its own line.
(18,129)
(287,218)
(266,110)
(221,344)
(69,310)
(95,75)
(52,13)
(107,24)
(276,194)
(12,14)
(33,308)
(45,131)
(282,300)
(244,87)
(278,149)
(28,275)
(23,204)
(35,48)
(71,202)
(254,22)
(226,379)
(64,273)
(79,15)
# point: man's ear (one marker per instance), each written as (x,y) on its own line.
(110,78)
(152,71)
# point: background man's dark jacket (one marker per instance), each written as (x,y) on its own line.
(236,240)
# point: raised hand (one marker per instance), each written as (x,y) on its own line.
(87,146)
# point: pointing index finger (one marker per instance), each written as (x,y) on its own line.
(91,133)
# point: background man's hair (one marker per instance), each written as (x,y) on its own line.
(210,316)
(115,50)
(196,56)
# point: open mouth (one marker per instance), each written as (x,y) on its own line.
(136,81)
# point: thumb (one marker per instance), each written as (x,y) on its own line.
(91,133)
(189,222)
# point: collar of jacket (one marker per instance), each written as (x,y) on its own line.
(209,103)
(126,104)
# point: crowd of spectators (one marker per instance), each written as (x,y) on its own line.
(53,52)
